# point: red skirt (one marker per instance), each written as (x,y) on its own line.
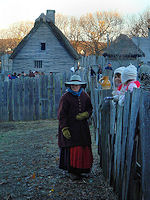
(81,157)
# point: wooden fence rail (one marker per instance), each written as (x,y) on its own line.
(123,137)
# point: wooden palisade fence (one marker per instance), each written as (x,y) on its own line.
(123,138)
(26,99)
(30,98)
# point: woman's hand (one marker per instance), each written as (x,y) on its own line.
(83,115)
(66,133)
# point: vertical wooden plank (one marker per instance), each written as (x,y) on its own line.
(104,124)
(31,98)
(130,139)
(10,100)
(105,130)
(1,100)
(126,120)
(44,97)
(97,115)
(63,83)
(5,101)
(100,125)
(57,94)
(145,142)
(21,99)
(36,99)
(26,99)
(92,88)
(112,136)
(117,146)
(51,96)
(15,100)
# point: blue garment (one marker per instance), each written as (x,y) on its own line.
(75,93)
(110,68)
(13,77)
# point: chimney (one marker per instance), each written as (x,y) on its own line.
(50,16)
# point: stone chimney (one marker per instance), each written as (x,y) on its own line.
(50,16)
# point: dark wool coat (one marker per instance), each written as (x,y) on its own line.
(69,106)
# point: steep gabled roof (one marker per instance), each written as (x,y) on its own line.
(59,35)
(123,46)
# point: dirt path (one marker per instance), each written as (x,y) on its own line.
(29,158)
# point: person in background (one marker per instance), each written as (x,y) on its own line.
(99,72)
(74,139)
(129,82)
(72,69)
(78,68)
(14,76)
(19,75)
(139,65)
(9,76)
(109,67)
(23,74)
(31,74)
(117,79)
(92,72)
(42,73)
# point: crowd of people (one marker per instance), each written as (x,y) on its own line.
(23,74)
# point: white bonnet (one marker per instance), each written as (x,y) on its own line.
(119,70)
(129,73)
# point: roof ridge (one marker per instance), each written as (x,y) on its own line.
(57,32)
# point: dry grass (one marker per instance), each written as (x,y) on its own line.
(29,166)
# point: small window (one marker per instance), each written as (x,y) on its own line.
(38,64)
(43,46)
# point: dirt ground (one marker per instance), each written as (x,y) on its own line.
(29,158)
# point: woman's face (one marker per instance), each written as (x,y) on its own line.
(75,88)
(117,79)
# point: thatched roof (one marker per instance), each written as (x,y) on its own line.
(59,35)
(123,46)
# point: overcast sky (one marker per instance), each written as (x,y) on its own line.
(12,11)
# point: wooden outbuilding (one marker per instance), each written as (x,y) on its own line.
(122,52)
(144,44)
(44,49)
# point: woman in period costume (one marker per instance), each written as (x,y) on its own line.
(74,137)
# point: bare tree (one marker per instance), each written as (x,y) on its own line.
(75,33)
(95,28)
(20,29)
(137,25)
(62,22)
(9,38)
